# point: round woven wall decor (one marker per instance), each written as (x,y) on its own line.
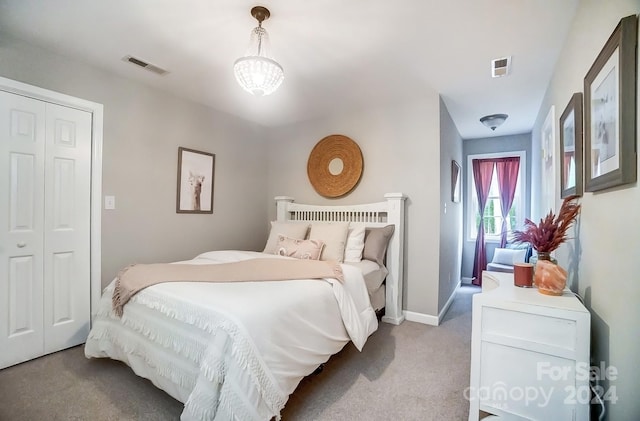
(335,166)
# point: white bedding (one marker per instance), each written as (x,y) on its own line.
(374,276)
(233,350)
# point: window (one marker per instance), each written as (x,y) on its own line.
(492,212)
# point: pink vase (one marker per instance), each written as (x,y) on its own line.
(550,278)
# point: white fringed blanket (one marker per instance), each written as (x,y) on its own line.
(233,350)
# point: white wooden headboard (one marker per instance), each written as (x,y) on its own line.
(389,212)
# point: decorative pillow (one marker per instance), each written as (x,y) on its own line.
(376,242)
(355,243)
(289,229)
(300,249)
(334,236)
(509,256)
(519,246)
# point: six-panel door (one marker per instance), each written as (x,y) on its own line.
(45,158)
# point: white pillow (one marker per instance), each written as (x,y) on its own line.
(295,230)
(355,243)
(334,236)
(509,256)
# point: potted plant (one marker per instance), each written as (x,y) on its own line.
(546,237)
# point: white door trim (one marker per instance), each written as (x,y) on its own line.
(96,110)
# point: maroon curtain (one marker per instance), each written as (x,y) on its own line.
(507,173)
(482,173)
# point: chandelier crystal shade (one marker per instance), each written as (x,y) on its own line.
(257,72)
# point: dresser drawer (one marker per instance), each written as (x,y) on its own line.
(511,380)
(509,325)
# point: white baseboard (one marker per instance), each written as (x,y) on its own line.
(448,303)
(425,319)
(466,280)
(428,319)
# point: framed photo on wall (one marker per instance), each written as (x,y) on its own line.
(548,170)
(195,181)
(571,147)
(610,111)
(455,181)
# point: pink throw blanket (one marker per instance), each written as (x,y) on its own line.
(137,277)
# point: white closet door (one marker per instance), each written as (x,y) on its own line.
(45,199)
(67,227)
(22,138)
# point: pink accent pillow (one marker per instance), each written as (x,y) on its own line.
(300,249)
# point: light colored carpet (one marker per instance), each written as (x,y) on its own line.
(406,372)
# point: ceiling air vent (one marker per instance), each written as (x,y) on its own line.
(141,63)
(500,66)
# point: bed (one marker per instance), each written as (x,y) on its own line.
(237,350)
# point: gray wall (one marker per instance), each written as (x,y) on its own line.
(450,212)
(143,128)
(603,259)
(400,144)
(520,142)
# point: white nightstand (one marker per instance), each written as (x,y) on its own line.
(529,353)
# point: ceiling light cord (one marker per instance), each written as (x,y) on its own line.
(259,33)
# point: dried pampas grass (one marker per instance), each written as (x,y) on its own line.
(551,231)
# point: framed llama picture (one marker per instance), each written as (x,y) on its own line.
(195,181)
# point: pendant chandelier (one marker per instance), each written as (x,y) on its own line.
(257,72)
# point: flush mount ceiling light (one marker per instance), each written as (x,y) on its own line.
(257,72)
(494,120)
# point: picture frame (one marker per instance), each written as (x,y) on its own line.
(455,181)
(571,147)
(548,168)
(610,111)
(195,181)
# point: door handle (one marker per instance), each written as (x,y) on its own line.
(21,244)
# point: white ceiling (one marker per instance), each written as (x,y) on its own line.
(337,55)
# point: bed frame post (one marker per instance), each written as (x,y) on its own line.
(395,259)
(282,211)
